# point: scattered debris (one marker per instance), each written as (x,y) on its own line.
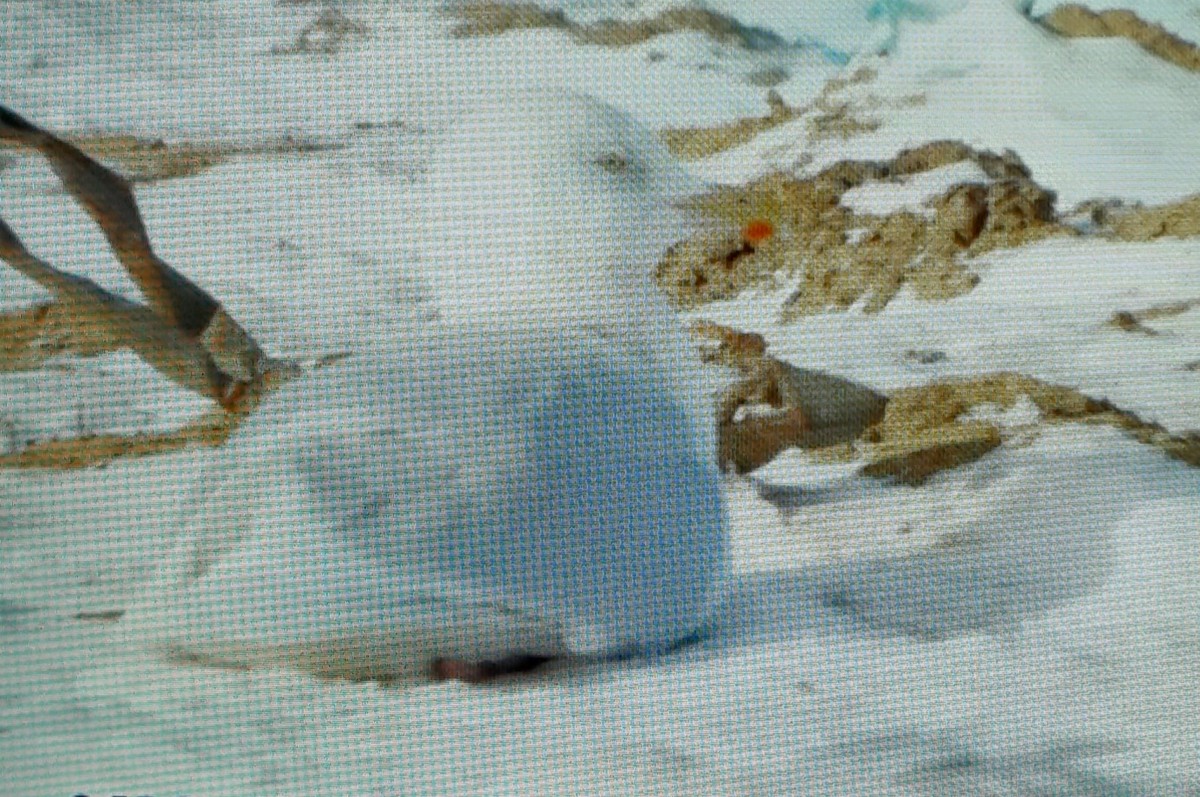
(1076,21)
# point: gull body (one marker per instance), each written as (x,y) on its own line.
(532,475)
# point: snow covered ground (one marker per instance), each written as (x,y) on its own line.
(1025,624)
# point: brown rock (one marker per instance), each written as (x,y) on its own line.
(328,34)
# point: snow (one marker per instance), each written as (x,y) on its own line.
(913,192)
(1029,623)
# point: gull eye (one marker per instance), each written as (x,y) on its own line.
(614,162)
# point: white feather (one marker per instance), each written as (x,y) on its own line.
(533,475)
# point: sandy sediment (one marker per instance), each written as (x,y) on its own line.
(495,18)
(910,435)
(694,143)
(1076,21)
(843,257)
(826,117)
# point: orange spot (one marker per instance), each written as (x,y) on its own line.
(757,230)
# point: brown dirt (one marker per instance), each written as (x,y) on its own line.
(922,431)
(827,117)
(1175,219)
(1075,21)
(908,436)
(921,455)
(814,234)
(694,143)
(494,18)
